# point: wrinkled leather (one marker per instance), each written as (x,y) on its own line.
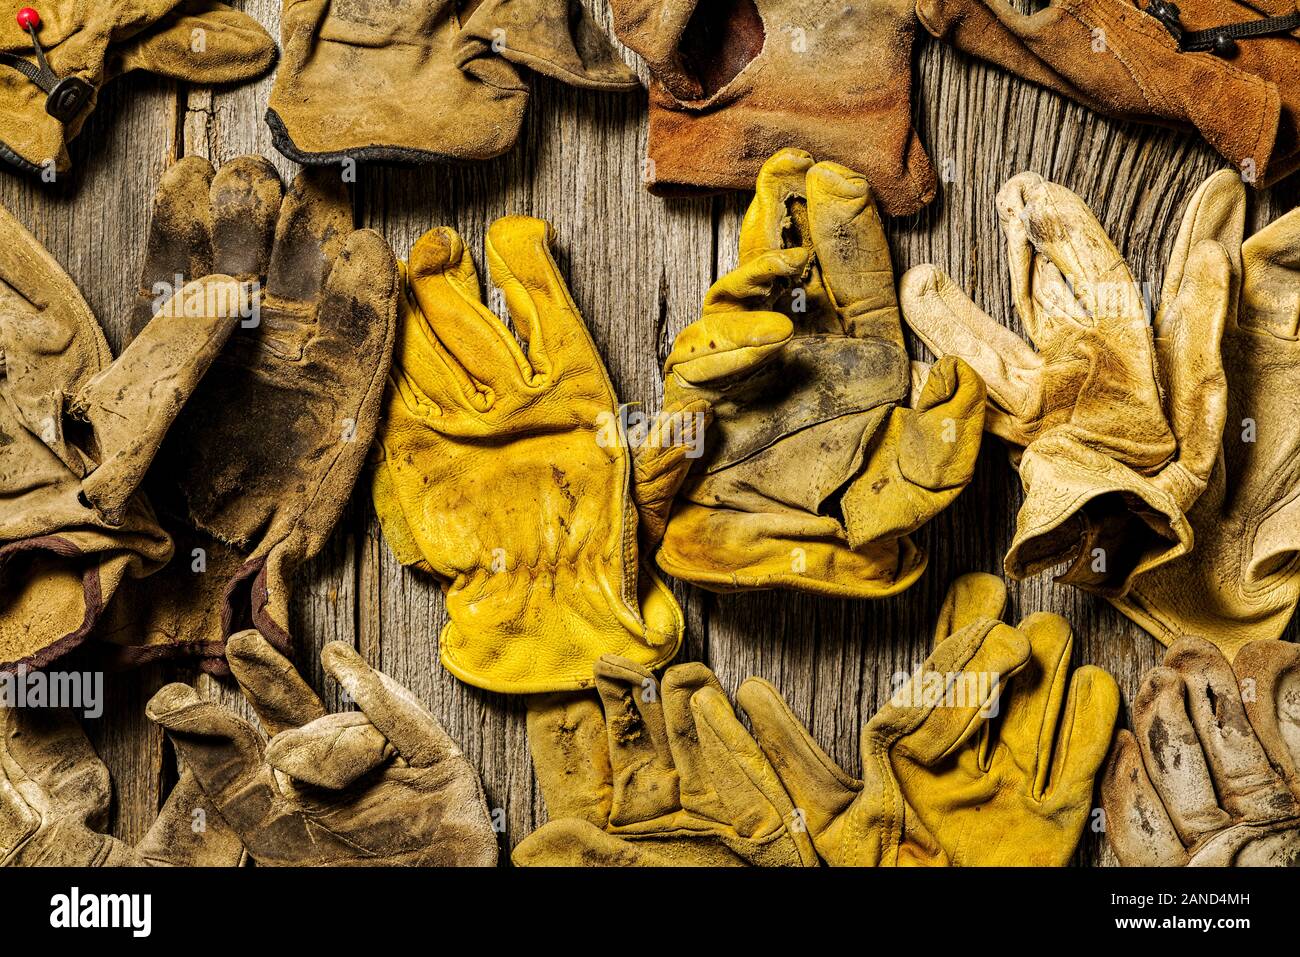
(55,794)
(986,756)
(1114,57)
(648,774)
(815,469)
(1209,776)
(1242,581)
(383,786)
(502,476)
(97,41)
(734,81)
(78,431)
(261,463)
(415,81)
(1114,424)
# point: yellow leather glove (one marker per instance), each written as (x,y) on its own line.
(1210,774)
(1114,431)
(814,470)
(1242,581)
(981,759)
(665,775)
(505,474)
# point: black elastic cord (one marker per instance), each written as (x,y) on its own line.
(66,95)
(1219,40)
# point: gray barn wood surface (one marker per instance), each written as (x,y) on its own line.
(638,267)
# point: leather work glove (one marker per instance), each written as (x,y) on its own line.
(734,81)
(1114,430)
(55,57)
(54,800)
(1210,774)
(261,463)
(384,786)
(983,758)
(665,776)
(412,81)
(506,476)
(1241,582)
(814,469)
(78,430)
(1124,59)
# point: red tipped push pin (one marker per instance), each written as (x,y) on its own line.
(29,19)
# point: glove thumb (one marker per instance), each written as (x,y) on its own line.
(662,461)
(204,42)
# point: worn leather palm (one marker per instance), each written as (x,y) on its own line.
(986,757)
(646,774)
(45,100)
(736,80)
(78,431)
(1242,580)
(384,786)
(1210,774)
(1115,57)
(501,473)
(414,81)
(54,801)
(261,463)
(1114,429)
(815,469)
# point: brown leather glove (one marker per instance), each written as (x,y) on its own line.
(1116,57)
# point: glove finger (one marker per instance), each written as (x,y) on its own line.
(1247,785)
(544,314)
(52,749)
(315,218)
(1188,340)
(661,463)
(645,782)
(18,819)
(726,345)
(1031,706)
(950,324)
(245,198)
(331,752)
(190,832)
(1270,293)
(1055,223)
(570,748)
(1217,211)
(556,38)
(270,682)
(1137,824)
(445,286)
(818,787)
(358,314)
(577,843)
(1269,675)
(746,786)
(680,683)
(971,597)
(222,750)
(853,253)
(234,47)
(769,221)
(179,247)
(753,286)
(952,696)
(1173,757)
(1091,710)
(393,709)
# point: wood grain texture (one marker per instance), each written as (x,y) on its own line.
(638,268)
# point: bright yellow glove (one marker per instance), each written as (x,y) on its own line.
(505,475)
(958,769)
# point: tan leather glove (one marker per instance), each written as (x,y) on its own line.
(55,794)
(415,81)
(1114,430)
(383,786)
(79,430)
(647,775)
(1241,582)
(986,757)
(1210,774)
(814,469)
(508,476)
(56,55)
